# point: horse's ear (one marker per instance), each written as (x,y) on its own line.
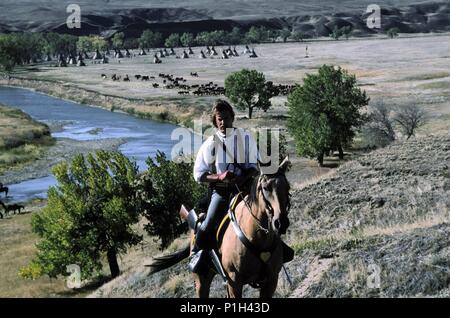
(285,165)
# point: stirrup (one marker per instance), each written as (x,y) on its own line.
(196,261)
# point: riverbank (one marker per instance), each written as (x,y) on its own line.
(64,149)
(161,110)
(22,139)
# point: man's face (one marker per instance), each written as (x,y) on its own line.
(224,120)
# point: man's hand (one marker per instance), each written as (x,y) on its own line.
(226,176)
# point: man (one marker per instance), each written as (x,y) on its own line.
(226,161)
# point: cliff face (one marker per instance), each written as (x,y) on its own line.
(312,21)
(377,226)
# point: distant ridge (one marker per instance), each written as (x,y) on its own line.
(417,18)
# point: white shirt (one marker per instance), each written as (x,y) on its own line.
(240,147)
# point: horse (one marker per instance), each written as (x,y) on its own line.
(14,208)
(4,189)
(4,207)
(262,217)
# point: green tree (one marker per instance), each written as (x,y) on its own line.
(256,35)
(60,43)
(393,32)
(85,44)
(235,36)
(325,111)
(336,33)
(10,54)
(162,189)
(248,90)
(131,43)
(298,36)
(150,39)
(346,31)
(118,40)
(173,40)
(89,213)
(285,34)
(187,39)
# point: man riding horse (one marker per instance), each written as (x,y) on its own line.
(227,161)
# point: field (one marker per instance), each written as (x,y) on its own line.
(399,72)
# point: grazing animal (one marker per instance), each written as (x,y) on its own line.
(14,208)
(262,217)
(4,189)
(104,76)
(4,208)
(194,74)
(126,78)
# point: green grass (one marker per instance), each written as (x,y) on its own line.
(22,139)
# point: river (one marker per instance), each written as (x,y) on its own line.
(143,137)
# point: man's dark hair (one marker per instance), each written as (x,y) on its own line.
(220,106)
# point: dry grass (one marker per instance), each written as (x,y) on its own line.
(18,248)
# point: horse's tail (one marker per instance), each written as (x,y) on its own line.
(166,261)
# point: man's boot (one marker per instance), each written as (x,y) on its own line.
(199,253)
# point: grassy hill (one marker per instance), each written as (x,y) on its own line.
(22,139)
(384,213)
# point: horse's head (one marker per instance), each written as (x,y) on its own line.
(272,191)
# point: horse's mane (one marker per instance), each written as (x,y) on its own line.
(252,197)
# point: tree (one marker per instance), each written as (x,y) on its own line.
(150,39)
(118,39)
(131,43)
(187,39)
(84,44)
(379,130)
(393,32)
(89,213)
(346,31)
(235,36)
(298,36)
(273,35)
(247,89)
(285,34)
(324,112)
(410,118)
(9,53)
(163,188)
(256,35)
(336,33)
(173,40)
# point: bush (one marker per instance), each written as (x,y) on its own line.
(162,189)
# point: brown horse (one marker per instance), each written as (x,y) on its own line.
(257,258)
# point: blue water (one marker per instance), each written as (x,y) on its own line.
(144,137)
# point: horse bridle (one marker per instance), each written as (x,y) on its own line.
(269,209)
